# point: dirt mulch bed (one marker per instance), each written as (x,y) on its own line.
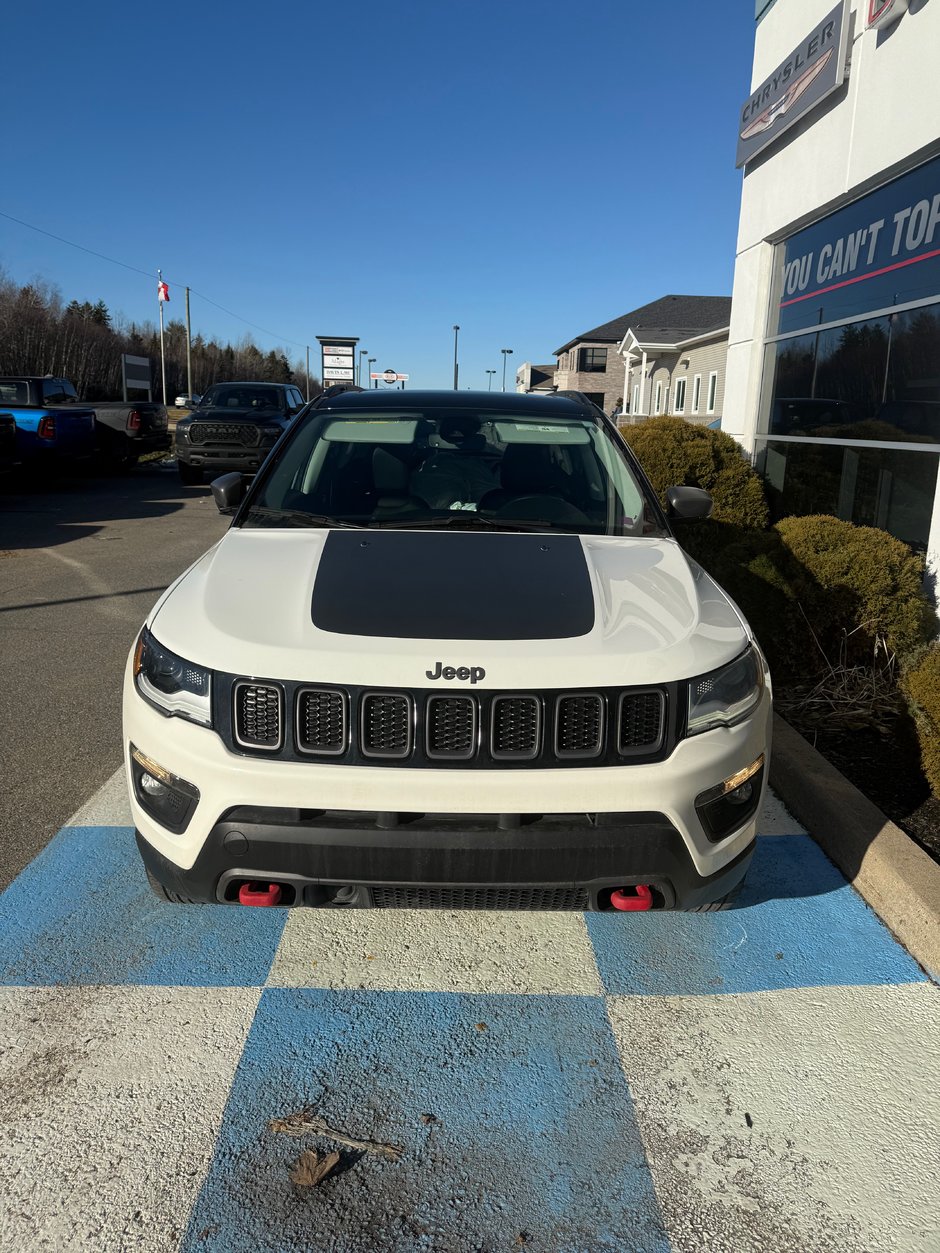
(883,762)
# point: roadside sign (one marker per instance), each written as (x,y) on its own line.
(331,372)
(389,376)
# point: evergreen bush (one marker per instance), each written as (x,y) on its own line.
(921,684)
(859,581)
(674,452)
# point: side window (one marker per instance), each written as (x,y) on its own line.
(298,399)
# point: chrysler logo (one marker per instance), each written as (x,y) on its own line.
(786,102)
(885,12)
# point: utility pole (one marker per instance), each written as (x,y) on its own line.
(189,355)
(162,354)
(456,331)
(308,372)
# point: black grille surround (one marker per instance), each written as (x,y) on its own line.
(236,434)
(425,728)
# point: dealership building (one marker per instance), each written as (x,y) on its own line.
(833,366)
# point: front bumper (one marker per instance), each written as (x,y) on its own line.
(222,459)
(446,861)
(586,828)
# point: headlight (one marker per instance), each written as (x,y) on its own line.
(174,685)
(726,696)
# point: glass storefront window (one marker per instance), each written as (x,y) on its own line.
(889,488)
(877,379)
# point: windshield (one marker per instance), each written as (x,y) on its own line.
(239,396)
(461,468)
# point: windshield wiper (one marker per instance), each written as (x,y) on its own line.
(462,519)
(297,517)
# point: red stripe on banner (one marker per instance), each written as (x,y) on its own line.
(898,265)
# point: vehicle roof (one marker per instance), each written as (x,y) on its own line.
(252,383)
(506,402)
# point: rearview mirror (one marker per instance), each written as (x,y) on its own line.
(688,503)
(228,491)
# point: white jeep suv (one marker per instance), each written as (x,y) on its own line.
(449,654)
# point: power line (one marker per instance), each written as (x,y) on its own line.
(151,274)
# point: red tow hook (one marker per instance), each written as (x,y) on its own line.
(636,898)
(258,894)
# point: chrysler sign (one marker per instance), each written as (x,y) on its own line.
(812,71)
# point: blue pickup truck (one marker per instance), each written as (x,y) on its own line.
(52,424)
(50,427)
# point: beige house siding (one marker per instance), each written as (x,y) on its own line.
(666,368)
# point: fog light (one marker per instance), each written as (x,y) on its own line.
(153,787)
(164,796)
(731,803)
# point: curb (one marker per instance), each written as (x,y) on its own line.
(898,879)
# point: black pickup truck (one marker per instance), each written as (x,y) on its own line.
(234,427)
(51,420)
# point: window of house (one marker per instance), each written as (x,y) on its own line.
(593,360)
(679,401)
(712,391)
(635,406)
(696,393)
(659,397)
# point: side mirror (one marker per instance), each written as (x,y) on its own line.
(228,491)
(688,503)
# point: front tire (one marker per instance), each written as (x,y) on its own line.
(165,895)
(723,902)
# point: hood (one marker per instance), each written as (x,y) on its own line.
(384,607)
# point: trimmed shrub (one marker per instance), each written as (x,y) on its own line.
(921,684)
(861,581)
(674,452)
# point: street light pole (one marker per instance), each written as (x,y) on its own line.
(489,381)
(371,364)
(362,353)
(507,352)
(456,330)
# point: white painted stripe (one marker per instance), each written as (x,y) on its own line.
(113,1098)
(437,951)
(840,1087)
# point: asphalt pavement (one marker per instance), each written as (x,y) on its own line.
(82,560)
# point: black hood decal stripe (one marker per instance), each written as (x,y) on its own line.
(444,586)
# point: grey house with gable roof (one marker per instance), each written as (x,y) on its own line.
(665,357)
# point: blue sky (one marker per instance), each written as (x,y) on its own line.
(525,170)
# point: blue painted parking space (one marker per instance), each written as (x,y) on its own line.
(562,1082)
(493,1100)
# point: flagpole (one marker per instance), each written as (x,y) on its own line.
(162,355)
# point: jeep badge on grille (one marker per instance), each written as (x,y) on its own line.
(463,673)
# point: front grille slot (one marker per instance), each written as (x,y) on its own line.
(385,724)
(242,434)
(322,721)
(451,727)
(515,726)
(479,898)
(258,715)
(579,725)
(641,722)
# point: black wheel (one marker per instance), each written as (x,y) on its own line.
(723,902)
(190,475)
(165,895)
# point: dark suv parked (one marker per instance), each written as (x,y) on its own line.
(234,427)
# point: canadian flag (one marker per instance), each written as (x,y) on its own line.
(163,292)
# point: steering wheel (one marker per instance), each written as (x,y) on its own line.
(538,508)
